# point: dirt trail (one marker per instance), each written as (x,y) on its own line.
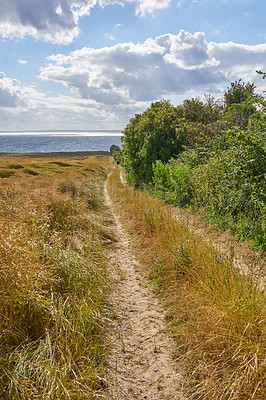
(140,365)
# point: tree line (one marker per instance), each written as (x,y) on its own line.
(209,155)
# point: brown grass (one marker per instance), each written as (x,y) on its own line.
(53,277)
(215,314)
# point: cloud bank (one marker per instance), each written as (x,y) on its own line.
(160,67)
(57,20)
(109,85)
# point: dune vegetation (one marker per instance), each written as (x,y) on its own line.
(54,228)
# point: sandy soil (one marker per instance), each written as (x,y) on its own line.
(140,365)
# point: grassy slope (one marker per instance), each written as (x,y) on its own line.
(216,315)
(53,278)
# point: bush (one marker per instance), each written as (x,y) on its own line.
(172,182)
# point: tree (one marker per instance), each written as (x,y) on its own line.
(115,152)
(238,93)
(196,110)
(240,103)
(156,134)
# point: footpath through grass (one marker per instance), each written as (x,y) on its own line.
(215,314)
(54,228)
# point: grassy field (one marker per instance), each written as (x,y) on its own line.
(54,228)
(54,286)
(215,314)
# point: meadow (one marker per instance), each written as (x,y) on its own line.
(54,229)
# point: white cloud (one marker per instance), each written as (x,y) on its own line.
(110,37)
(127,72)
(25,108)
(169,65)
(110,84)
(189,51)
(57,20)
(149,6)
(22,61)
(12,94)
(238,57)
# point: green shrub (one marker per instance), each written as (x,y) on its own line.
(172,182)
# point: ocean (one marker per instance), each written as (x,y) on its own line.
(46,142)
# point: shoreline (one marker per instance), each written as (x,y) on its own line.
(58,154)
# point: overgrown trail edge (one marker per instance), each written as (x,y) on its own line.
(140,365)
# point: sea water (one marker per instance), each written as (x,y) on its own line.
(46,142)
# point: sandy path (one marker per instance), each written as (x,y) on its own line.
(140,365)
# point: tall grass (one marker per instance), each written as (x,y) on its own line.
(215,313)
(53,279)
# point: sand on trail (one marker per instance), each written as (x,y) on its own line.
(140,364)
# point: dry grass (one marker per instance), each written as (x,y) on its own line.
(53,278)
(216,315)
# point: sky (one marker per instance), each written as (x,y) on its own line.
(94,64)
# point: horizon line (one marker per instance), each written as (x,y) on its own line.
(97,132)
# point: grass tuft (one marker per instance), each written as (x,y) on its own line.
(6,173)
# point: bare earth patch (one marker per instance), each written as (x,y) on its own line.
(140,365)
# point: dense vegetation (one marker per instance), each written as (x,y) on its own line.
(210,156)
(53,276)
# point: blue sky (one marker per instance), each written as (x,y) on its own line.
(93,64)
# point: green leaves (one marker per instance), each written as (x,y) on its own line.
(156,134)
(209,155)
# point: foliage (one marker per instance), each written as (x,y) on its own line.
(237,93)
(197,111)
(196,155)
(156,134)
(171,182)
(262,73)
(116,153)
(239,114)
